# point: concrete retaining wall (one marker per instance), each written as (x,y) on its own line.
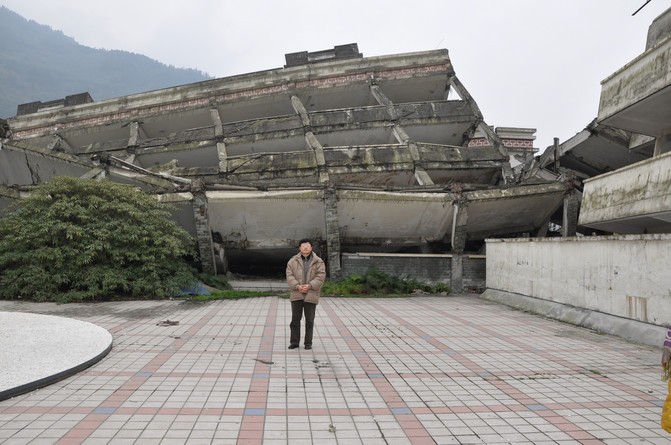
(632,330)
(623,276)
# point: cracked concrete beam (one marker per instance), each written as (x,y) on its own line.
(301,111)
(136,169)
(58,143)
(517,191)
(189,172)
(150,181)
(493,138)
(94,173)
(136,133)
(414,151)
(55,143)
(222,154)
(310,138)
(319,156)
(382,99)
(216,120)
(49,154)
(316,146)
(422,177)
(463,93)
(400,134)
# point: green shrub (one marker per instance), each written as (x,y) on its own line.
(376,283)
(83,239)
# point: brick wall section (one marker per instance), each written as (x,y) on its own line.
(427,268)
(475,267)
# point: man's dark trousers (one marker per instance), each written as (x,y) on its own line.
(297,309)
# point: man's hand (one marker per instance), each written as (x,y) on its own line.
(303,288)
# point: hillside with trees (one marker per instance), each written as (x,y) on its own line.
(39,63)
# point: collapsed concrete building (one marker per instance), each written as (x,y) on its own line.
(376,154)
(633,125)
(618,282)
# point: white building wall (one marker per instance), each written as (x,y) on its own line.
(626,276)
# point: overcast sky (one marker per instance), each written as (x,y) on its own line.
(527,63)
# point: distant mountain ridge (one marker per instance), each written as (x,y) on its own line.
(40,64)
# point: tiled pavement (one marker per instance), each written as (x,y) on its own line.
(417,370)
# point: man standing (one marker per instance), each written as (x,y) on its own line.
(305,275)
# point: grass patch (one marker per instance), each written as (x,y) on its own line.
(231,294)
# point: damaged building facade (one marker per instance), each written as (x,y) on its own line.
(386,154)
(616,278)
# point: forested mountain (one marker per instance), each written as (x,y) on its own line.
(38,63)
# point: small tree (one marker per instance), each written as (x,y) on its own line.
(83,239)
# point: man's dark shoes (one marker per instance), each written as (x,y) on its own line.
(308,346)
(293,346)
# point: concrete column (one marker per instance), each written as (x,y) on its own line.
(459,228)
(382,99)
(332,231)
(223,157)
(311,139)
(421,176)
(216,120)
(299,108)
(570,218)
(659,141)
(457,280)
(542,231)
(136,132)
(57,143)
(203,232)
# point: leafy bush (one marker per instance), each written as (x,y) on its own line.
(82,239)
(376,283)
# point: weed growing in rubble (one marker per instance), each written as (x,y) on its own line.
(82,239)
(376,283)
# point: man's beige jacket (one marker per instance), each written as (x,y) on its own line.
(316,277)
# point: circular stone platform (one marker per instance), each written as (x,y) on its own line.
(38,350)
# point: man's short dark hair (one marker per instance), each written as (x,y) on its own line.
(304,240)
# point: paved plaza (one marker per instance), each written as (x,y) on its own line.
(418,370)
